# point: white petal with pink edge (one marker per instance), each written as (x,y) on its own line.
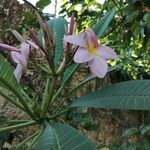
(82,55)
(98,67)
(15,57)
(18,72)
(91,37)
(106,52)
(19,59)
(76,40)
(25,49)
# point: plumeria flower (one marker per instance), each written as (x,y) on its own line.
(90,51)
(21,59)
(20,55)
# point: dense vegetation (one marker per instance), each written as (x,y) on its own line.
(47,91)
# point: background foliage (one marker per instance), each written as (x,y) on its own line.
(128,33)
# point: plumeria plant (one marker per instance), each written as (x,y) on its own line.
(62,50)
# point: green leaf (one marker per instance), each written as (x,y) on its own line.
(40,37)
(60,25)
(7,78)
(101,26)
(8,81)
(62,137)
(145,128)
(130,131)
(42,3)
(132,95)
(50,25)
(128,146)
(69,72)
(57,28)
(47,139)
(4,136)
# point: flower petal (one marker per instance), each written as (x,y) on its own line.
(25,49)
(82,56)
(76,40)
(98,67)
(91,37)
(19,59)
(18,72)
(106,52)
(15,57)
(8,47)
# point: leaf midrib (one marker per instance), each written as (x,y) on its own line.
(57,140)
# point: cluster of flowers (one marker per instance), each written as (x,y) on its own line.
(87,50)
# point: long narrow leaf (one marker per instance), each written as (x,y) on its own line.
(7,78)
(132,95)
(59,28)
(101,26)
(69,72)
(8,81)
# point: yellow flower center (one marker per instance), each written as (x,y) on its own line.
(91,48)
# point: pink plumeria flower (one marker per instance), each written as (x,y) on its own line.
(20,56)
(21,59)
(90,51)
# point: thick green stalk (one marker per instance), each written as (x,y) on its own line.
(47,101)
(18,126)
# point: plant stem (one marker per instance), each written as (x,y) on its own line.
(26,140)
(118,8)
(62,65)
(46,92)
(17,121)
(46,102)
(32,6)
(30,147)
(58,106)
(18,126)
(58,114)
(56,95)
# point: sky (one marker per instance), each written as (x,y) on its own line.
(50,8)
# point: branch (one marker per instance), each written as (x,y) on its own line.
(32,6)
(118,8)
